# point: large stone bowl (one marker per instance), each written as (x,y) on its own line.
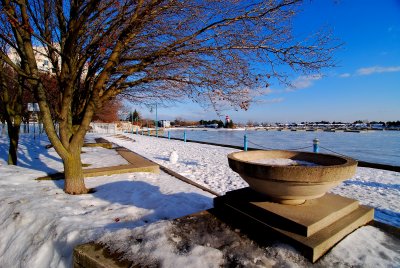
(291,185)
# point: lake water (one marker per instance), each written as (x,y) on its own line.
(372,146)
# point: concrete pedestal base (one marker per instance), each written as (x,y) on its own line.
(314,227)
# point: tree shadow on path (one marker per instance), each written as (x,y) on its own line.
(149,204)
(30,152)
(140,194)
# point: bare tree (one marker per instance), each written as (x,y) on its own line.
(213,51)
(15,94)
(11,107)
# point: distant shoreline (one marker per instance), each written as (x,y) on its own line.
(354,130)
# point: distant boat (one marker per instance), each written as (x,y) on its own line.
(354,130)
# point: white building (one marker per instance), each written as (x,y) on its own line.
(43,62)
(164,123)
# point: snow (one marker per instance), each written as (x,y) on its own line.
(208,166)
(283,162)
(174,244)
(165,245)
(155,242)
(40,224)
(204,164)
(173,158)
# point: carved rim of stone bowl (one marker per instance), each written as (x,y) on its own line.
(329,168)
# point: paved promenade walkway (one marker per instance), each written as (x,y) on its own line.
(136,163)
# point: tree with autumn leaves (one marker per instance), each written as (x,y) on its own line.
(213,51)
(109,112)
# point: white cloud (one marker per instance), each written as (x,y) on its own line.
(304,81)
(345,75)
(275,100)
(377,69)
(267,91)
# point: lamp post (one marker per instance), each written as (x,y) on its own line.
(156,121)
(132,121)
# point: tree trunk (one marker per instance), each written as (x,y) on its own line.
(3,129)
(13,134)
(74,180)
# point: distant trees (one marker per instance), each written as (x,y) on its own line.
(210,122)
(229,124)
(147,122)
(250,123)
(134,117)
(393,123)
(179,121)
(109,112)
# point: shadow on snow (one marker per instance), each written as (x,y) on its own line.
(163,206)
(30,152)
(138,194)
(373,184)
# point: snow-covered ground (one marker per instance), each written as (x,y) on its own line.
(40,224)
(208,166)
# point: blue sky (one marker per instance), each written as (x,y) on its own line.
(364,86)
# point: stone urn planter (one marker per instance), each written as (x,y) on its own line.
(311,176)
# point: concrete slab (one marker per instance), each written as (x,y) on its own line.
(134,158)
(318,244)
(305,219)
(103,141)
(261,222)
(137,163)
(91,255)
(106,145)
(123,137)
(100,142)
(106,171)
(313,215)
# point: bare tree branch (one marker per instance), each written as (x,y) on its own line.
(212,51)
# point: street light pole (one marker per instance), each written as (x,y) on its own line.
(132,121)
(156,121)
